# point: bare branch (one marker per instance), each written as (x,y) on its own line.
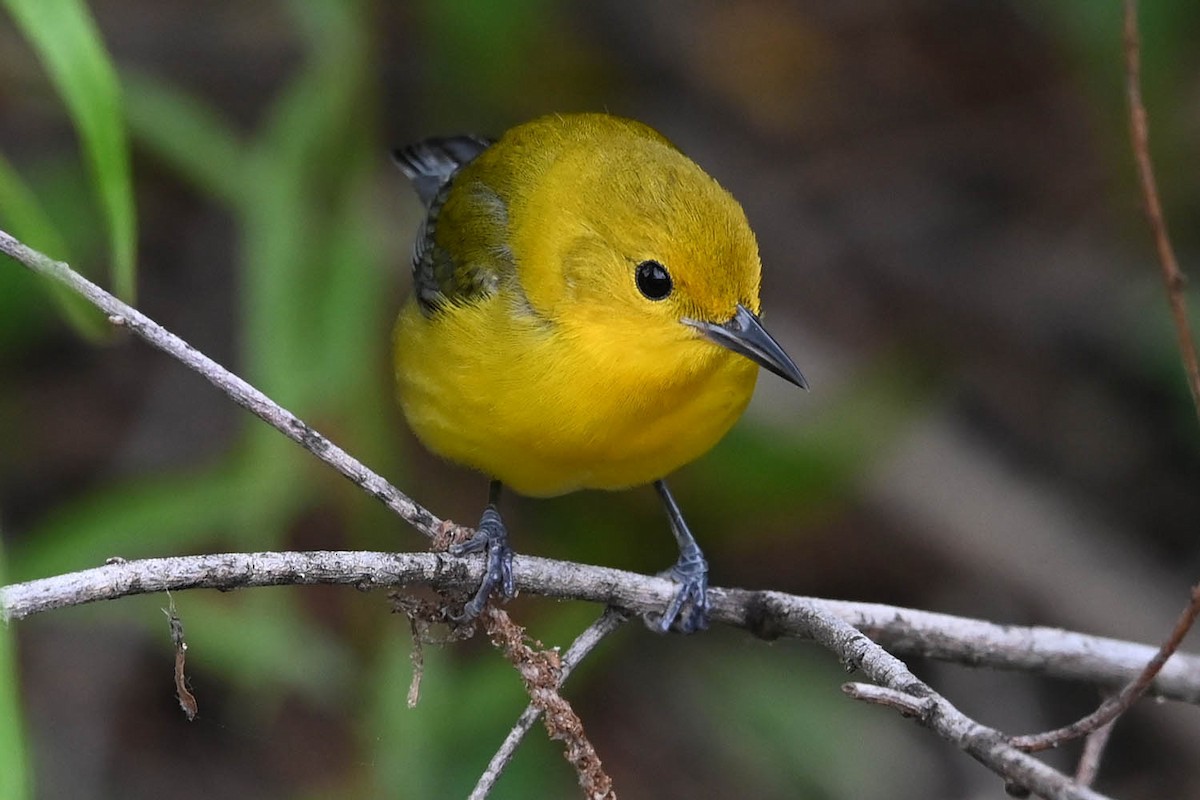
(770,615)
(906,704)
(1038,650)
(541,672)
(987,746)
(1093,753)
(237,389)
(609,621)
(829,622)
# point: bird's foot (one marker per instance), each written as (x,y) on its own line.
(491,537)
(688,611)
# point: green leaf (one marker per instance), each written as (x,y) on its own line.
(459,36)
(172,513)
(353,297)
(285,217)
(66,39)
(14,775)
(265,644)
(781,724)
(188,136)
(24,217)
(464,711)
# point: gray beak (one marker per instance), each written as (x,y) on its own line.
(745,335)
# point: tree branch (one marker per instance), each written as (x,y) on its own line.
(1022,772)
(770,615)
(542,673)
(237,389)
(609,621)
(1093,753)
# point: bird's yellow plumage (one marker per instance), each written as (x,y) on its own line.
(584,307)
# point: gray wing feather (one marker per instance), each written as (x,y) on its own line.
(430,166)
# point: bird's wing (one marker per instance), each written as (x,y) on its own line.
(430,165)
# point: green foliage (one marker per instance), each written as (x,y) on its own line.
(66,39)
(794,735)
(183,510)
(464,35)
(188,136)
(439,748)
(1090,36)
(14,777)
(25,218)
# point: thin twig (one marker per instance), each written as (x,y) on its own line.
(609,621)
(541,672)
(1118,704)
(903,702)
(237,389)
(1173,277)
(1093,754)
(1175,282)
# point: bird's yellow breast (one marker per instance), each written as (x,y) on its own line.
(548,408)
(537,356)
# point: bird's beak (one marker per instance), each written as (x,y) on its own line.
(745,335)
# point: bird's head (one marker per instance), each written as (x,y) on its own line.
(636,239)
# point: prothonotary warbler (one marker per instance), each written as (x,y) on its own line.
(584,316)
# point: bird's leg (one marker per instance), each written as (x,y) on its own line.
(690,604)
(491,537)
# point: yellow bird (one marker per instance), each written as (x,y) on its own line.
(584,316)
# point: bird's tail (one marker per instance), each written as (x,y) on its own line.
(430,163)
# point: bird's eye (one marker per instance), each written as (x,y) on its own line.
(653,280)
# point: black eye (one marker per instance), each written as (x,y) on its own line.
(653,280)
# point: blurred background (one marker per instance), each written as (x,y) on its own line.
(954,253)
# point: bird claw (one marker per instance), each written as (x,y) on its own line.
(688,609)
(491,537)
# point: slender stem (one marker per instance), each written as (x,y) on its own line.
(609,621)
(1173,277)
(1118,704)
(986,745)
(238,390)
(1175,283)
(1093,754)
